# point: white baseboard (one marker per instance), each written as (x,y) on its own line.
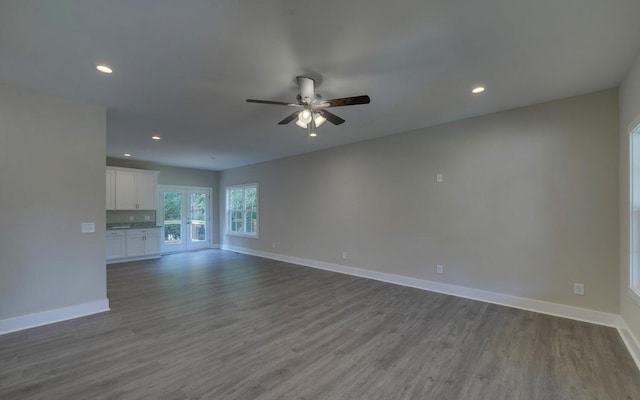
(186,251)
(127,259)
(629,340)
(544,307)
(51,316)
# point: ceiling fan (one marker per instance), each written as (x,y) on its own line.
(314,109)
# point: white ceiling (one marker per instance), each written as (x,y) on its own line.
(183,69)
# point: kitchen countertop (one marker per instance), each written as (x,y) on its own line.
(132,225)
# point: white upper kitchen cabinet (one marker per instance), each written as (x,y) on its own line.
(126,190)
(133,189)
(146,190)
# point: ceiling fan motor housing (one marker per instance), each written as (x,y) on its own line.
(306,89)
(300,99)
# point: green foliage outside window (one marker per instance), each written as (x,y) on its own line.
(172,212)
(242,206)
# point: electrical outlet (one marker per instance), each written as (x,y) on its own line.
(130,218)
(344,255)
(440,269)
(439,178)
(273,245)
(147,218)
(578,288)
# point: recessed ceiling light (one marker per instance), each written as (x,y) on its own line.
(155,137)
(104,68)
(313,134)
(127,154)
(478,89)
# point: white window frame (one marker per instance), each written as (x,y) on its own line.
(228,210)
(634,213)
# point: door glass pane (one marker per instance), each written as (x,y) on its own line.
(172,217)
(198,207)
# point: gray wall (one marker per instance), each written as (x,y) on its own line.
(629,117)
(52,177)
(528,206)
(125,216)
(173,176)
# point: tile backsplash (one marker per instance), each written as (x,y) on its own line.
(124,216)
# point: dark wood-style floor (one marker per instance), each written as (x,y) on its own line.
(220,325)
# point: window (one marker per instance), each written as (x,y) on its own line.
(242,210)
(634,214)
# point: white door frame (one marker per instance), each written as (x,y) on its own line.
(186,244)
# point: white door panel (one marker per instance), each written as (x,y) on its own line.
(185,214)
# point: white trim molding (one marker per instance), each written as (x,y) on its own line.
(127,259)
(523,303)
(629,340)
(634,293)
(49,317)
(227,222)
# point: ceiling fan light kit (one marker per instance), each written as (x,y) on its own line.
(304,116)
(314,110)
(318,119)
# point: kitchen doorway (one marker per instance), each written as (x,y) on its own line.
(185,217)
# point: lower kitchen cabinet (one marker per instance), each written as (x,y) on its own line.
(138,244)
(116,244)
(143,242)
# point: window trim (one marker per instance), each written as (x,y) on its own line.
(634,217)
(228,231)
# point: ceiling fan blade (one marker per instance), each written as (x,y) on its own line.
(331,117)
(278,103)
(347,101)
(289,118)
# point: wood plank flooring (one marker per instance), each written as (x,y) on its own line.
(220,325)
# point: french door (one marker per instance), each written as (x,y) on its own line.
(185,215)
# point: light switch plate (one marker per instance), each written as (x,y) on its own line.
(88,227)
